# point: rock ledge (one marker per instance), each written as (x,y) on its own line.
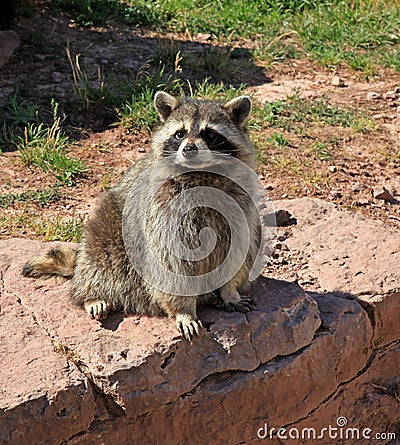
(305,357)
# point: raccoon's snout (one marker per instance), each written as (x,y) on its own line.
(190,151)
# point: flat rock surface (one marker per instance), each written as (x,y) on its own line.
(331,249)
(334,250)
(230,407)
(38,387)
(111,350)
(69,379)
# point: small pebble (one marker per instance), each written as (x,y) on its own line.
(358,187)
(381,192)
(390,95)
(373,95)
(363,202)
(57,76)
(338,82)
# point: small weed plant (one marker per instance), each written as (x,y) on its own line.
(47,148)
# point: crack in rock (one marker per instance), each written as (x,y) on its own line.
(375,355)
(113,402)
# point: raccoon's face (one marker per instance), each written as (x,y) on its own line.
(198,133)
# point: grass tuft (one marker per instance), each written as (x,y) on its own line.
(40,197)
(139,112)
(56,229)
(47,148)
(59,229)
(296,113)
(17,113)
(87,92)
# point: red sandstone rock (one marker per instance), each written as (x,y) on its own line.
(138,361)
(344,252)
(301,359)
(369,401)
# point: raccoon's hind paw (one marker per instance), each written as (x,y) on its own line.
(187,326)
(240,303)
(214,300)
(97,309)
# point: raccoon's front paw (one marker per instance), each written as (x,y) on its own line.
(240,303)
(97,309)
(187,326)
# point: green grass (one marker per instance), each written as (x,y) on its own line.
(303,136)
(321,150)
(297,113)
(211,91)
(36,40)
(88,12)
(169,54)
(220,18)
(40,197)
(391,58)
(278,140)
(57,229)
(47,148)
(336,32)
(138,112)
(88,93)
(215,61)
(358,33)
(16,114)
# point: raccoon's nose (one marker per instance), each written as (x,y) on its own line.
(189,151)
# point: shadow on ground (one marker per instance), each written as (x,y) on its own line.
(110,60)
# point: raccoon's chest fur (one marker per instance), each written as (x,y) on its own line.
(191,224)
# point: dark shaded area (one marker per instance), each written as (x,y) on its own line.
(113,320)
(280,218)
(7,14)
(110,62)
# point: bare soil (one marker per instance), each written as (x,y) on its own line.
(41,69)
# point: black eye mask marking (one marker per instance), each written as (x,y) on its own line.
(217,142)
(173,143)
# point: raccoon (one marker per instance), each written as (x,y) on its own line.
(128,260)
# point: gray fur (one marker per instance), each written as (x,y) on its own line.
(104,277)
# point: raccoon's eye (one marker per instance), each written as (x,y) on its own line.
(210,133)
(179,134)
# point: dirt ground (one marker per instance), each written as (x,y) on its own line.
(41,69)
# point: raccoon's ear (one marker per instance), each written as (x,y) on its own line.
(165,104)
(239,108)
